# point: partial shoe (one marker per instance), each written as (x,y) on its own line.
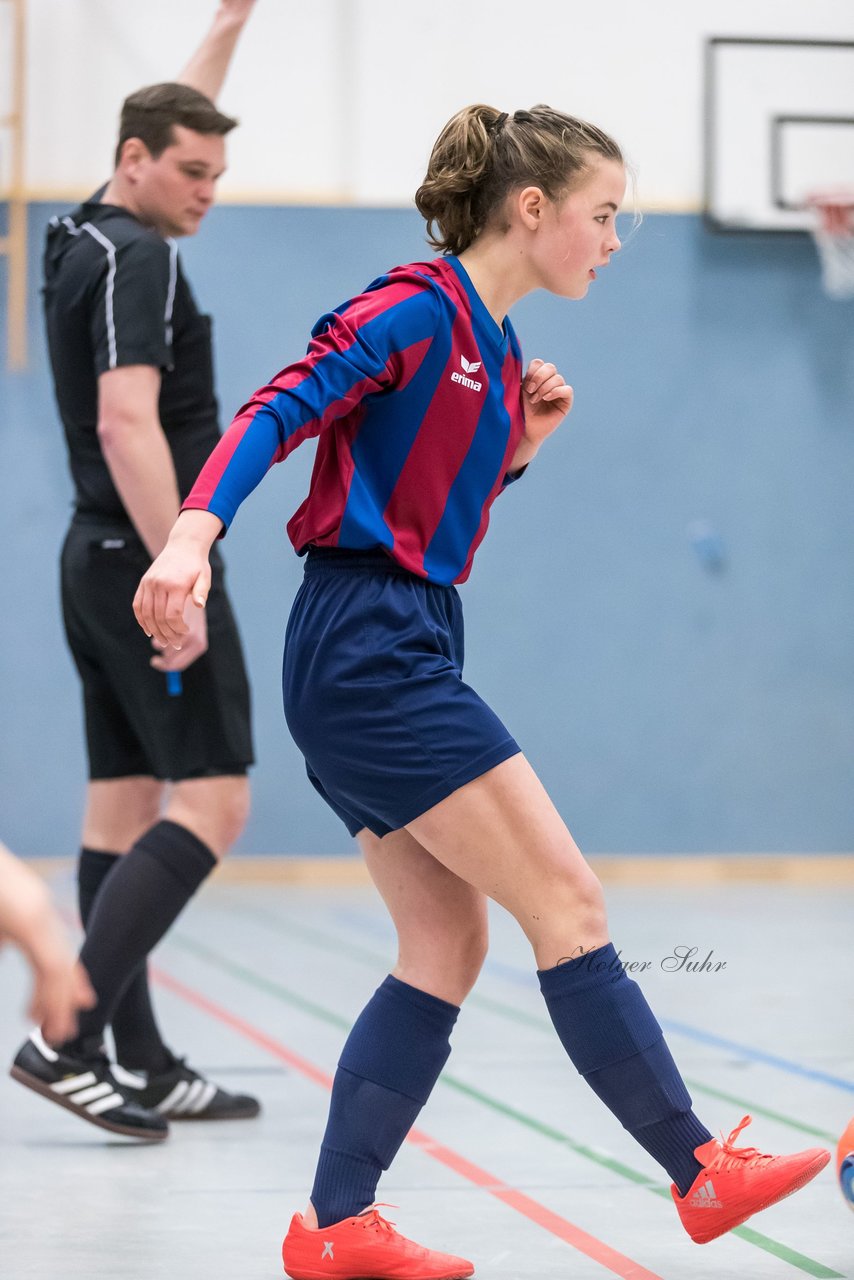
(366,1245)
(84,1085)
(180,1093)
(737,1182)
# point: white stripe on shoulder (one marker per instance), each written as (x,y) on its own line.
(111,282)
(170,294)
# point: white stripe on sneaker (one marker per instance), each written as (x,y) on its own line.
(72,1083)
(43,1047)
(173,1099)
(105,1104)
(92,1094)
(206,1097)
(132,1079)
(188,1103)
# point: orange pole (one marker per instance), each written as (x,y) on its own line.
(15,243)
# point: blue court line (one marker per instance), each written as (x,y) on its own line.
(527,978)
(770,1059)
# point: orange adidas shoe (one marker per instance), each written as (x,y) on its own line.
(736,1182)
(366,1247)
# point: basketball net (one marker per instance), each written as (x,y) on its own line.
(833,232)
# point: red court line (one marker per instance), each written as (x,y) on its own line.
(565,1230)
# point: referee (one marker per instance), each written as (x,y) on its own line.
(168,733)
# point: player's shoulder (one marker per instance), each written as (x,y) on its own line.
(404,293)
(428,281)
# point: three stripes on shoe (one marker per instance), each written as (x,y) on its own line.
(188,1098)
(84,1090)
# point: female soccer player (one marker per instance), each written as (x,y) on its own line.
(417,393)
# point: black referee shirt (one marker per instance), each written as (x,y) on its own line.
(115,295)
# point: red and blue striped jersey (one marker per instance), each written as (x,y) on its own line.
(415,394)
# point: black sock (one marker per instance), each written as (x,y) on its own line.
(137,903)
(139,1044)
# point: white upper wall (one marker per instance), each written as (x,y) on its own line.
(342,99)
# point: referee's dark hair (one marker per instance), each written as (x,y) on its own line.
(150,113)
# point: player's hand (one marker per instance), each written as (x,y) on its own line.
(60,989)
(29,919)
(546,400)
(181,574)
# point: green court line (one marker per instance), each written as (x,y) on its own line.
(757,1109)
(320,938)
(281,992)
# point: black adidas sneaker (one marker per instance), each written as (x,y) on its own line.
(180,1093)
(85,1086)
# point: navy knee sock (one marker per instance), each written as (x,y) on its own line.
(139,1044)
(390,1062)
(134,907)
(614,1041)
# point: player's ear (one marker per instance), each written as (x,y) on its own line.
(530,204)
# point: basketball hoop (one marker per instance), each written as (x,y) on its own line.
(833,232)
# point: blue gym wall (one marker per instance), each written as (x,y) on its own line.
(675,693)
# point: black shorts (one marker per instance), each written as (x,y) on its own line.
(139,722)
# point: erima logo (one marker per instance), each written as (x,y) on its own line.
(704,1197)
(465,380)
(327,1250)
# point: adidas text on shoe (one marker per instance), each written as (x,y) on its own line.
(180,1093)
(364,1246)
(736,1182)
(85,1086)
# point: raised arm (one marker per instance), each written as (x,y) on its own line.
(207,68)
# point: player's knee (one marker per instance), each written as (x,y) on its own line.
(233,813)
(576,907)
(444,961)
(471,948)
(465,952)
(591,903)
(215,810)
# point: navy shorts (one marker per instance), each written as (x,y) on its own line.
(374,692)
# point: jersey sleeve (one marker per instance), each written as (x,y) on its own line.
(373,344)
(131,308)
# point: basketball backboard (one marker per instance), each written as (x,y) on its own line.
(779,124)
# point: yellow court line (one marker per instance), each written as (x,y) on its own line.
(628,869)
(322,197)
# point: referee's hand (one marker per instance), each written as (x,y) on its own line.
(194,644)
